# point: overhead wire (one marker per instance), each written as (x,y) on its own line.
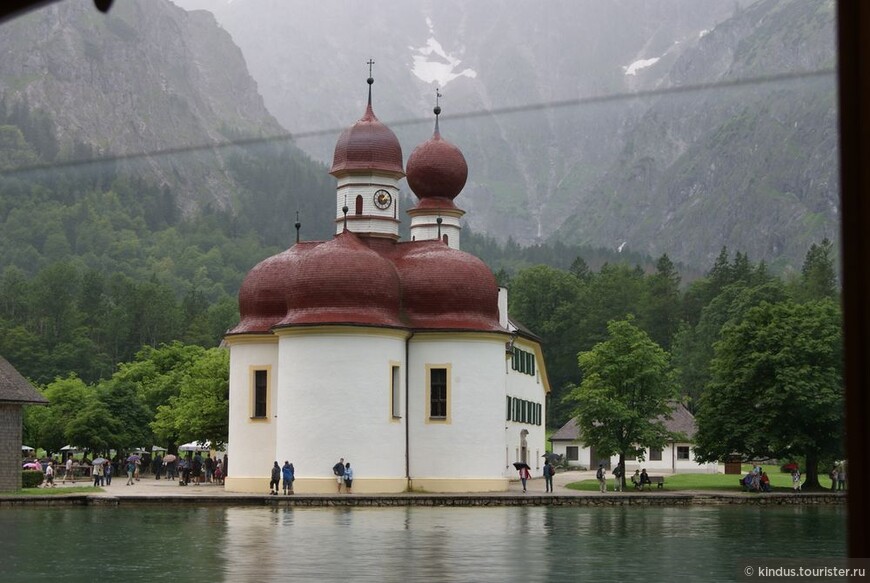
(500,111)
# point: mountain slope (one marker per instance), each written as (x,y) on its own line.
(147,76)
(753,168)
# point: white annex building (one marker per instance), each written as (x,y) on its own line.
(397,356)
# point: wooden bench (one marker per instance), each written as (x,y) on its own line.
(659,481)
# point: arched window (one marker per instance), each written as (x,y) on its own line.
(359,204)
(445,239)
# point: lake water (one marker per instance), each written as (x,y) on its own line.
(408,544)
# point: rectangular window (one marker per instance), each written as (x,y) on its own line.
(261,393)
(438,393)
(655,455)
(572,452)
(682,452)
(508,409)
(540,418)
(396,392)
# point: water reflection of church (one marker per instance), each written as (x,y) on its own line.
(396,355)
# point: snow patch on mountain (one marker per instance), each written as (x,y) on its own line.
(633,68)
(432,64)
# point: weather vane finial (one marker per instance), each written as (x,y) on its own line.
(371,79)
(437,109)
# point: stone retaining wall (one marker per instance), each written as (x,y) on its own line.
(430,500)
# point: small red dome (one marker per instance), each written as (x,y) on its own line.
(342,281)
(368,145)
(444,288)
(437,169)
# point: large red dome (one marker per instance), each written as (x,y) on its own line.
(343,281)
(437,170)
(368,145)
(444,288)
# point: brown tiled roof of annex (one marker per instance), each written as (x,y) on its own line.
(14,388)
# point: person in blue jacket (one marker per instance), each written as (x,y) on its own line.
(289,474)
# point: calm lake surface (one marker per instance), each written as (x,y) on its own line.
(408,544)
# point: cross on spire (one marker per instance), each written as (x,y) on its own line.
(371,79)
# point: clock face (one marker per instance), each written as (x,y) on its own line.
(383,199)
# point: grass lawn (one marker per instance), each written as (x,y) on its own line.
(53,491)
(779,482)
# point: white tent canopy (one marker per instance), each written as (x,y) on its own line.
(157,448)
(26,448)
(69,448)
(195,446)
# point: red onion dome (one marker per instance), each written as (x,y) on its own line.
(437,169)
(261,297)
(368,145)
(342,281)
(445,288)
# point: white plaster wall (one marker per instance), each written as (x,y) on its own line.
(251,444)
(529,388)
(425,228)
(471,445)
(334,401)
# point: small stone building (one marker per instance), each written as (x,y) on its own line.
(15,392)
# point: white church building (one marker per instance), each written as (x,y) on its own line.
(397,356)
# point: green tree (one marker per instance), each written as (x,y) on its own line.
(200,411)
(818,274)
(776,389)
(660,311)
(626,394)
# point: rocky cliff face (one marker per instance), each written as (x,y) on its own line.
(146,77)
(753,167)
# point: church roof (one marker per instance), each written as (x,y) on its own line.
(680,421)
(368,145)
(356,280)
(437,170)
(14,388)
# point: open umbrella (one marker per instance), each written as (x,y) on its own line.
(32,466)
(552,457)
(170,457)
(521,465)
(134,458)
(157,448)
(99,460)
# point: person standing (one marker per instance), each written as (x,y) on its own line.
(348,477)
(617,477)
(602,478)
(209,467)
(338,470)
(287,473)
(108,471)
(841,477)
(49,475)
(796,480)
(98,475)
(833,475)
(524,475)
(549,472)
(158,466)
(275,480)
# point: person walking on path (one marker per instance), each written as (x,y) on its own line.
(601,476)
(49,475)
(833,476)
(549,472)
(69,471)
(348,477)
(524,475)
(841,477)
(617,478)
(275,479)
(98,475)
(288,474)
(131,470)
(338,470)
